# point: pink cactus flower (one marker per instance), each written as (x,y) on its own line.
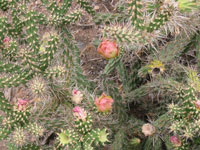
(175,141)
(104,103)
(108,49)
(80,113)
(197,104)
(22,104)
(75,91)
(6,41)
(77,96)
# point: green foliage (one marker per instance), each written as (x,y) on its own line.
(100,18)
(4,5)
(27,58)
(158,47)
(84,136)
(136,13)
(158,21)
(85,4)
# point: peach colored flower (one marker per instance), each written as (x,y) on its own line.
(79,113)
(104,103)
(148,129)
(175,141)
(6,41)
(22,104)
(197,104)
(77,96)
(108,49)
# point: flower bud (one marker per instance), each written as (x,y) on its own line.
(108,49)
(175,141)
(6,41)
(148,129)
(104,103)
(135,141)
(22,104)
(77,96)
(197,104)
(79,113)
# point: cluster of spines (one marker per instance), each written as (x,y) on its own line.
(121,34)
(136,13)
(73,16)
(193,80)
(11,50)
(3,28)
(32,36)
(69,138)
(35,129)
(159,21)
(38,86)
(55,71)
(20,118)
(49,51)
(16,79)
(64,7)
(19,136)
(30,146)
(108,17)
(74,140)
(85,5)
(58,12)
(187,98)
(185,115)
(67,19)
(4,5)
(96,137)
(14,118)
(4,104)
(58,8)
(4,132)
(17,22)
(91,137)
(84,126)
(9,68)
(53,8)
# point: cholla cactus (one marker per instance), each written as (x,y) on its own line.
(19,137)
(193,80)
(83,122)
(185,116)
(150,20)
(35,129)
(83,135)
(38,87)
(68,137)
(30,40)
